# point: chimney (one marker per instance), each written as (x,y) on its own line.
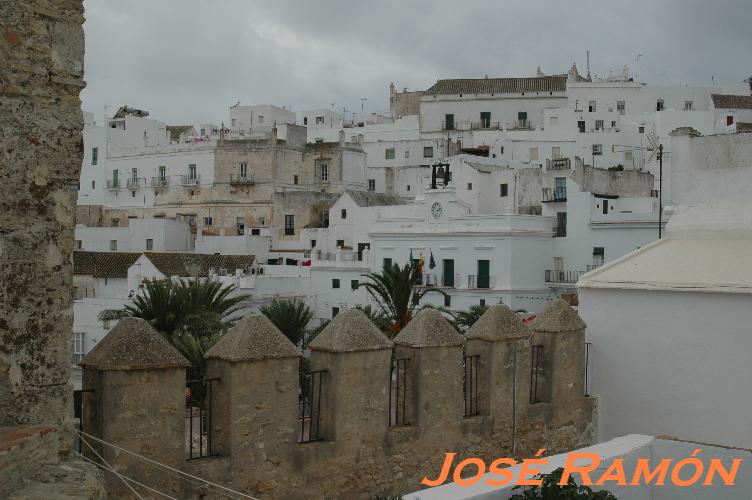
(342,138)
(273,139)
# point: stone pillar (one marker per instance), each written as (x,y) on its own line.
(500,339)
(355,389)
(137,402)
(256,401)
(41,75)
(434,350)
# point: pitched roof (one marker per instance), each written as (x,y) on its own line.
(732,101)
(350,331)
(498,323)
(371,199)
(116,264)
(557,316)
(104,264)
(175,130)
(254,337)
(498,85)
(429,328)
(133,344)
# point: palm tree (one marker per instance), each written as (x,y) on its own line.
(465,319)
(291,317)
(191,314)
(378,318)
(395,291)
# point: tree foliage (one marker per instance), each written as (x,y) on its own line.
(291,317)
(551,490)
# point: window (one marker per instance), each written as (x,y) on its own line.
(240,225)
(255,231)
(581,126)
(260,119)
(340,243)
(192,171)
(613,123)
(305,120)
(313,243)
(79,344)
(243,169)
(729,120)
(343,213)
(620,107)
(599,254)
(389,153)
(597,149)
(482,302)
(93,184)
(325,218)
(504,190)
(323,172)
(522,119)
(335,312)
(641,129)
(134,175)
(115,222)
(94,155)
(388,263)
(133,194)
(208,221)
(534,154)
(598,124)
(561,224)
(485,119)
(501,150)
(556,152)
(149,244)
(591,107)
(449,121)
(203,131)
(289,225)
(113,245)
(354,284)
(628,157)
(447,301)
(162,173)
(79,244)
(659,105)
(407,153)
(553,121)
(428,152)
(372,184)
(335,283)
(295,179)
(688,105)
(233,122)
(319,120)
(408,187)
(469,186)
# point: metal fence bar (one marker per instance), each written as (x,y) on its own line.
(471,385)
(399,387)
(587,366)
(309,406)
(534,370)
(201,396)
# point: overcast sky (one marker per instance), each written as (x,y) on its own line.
(187,61)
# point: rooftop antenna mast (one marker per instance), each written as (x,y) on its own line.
(588,64)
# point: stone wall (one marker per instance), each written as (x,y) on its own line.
(41,150)
(359,452)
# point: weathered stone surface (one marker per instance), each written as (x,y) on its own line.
(69,480)
(557,316)
(133,344)
(498,323)
(429,328)
(253,337)
(350,330)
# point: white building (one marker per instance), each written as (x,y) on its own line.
(141,235)
(670,322)
(257,121)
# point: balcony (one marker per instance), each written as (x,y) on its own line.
(554,194)
(562,277)
(479,281)
(242,180)
(136,182)
(114,184)
(190,180)
(160,182)
(559,164)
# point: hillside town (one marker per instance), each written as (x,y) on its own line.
(523,285)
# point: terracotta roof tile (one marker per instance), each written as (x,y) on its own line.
(732,101)
(457,86)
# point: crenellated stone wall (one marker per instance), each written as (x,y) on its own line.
(356,451)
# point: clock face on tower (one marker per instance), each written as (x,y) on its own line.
(436,210)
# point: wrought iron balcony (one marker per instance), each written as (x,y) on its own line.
(554,194)
(189,180)
(114,184)
(560,276)
(558,164)
(479,281)
(241,179)
(137,182)
(160,182)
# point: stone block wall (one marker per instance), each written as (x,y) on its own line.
(359,452)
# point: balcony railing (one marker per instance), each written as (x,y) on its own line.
(114,184)
(554,194)
(479,281)
(592,267)
(241,179)
(160,182)
(190,180)
(558,164)
(559,276)
(136,182)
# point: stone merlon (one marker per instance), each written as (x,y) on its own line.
(498,323)
(253,338)
(133,345)
(429,328)
(558,316)
(349,331)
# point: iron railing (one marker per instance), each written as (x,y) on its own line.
(136,182)
(398,393)
(160,182)
(189,180)
(471,385)
(199,405)
(559,276)
(558,164)
(114,183)
(482,281)
(535,371)
(430,279)
(554,194)
(309,406)
(241,179)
